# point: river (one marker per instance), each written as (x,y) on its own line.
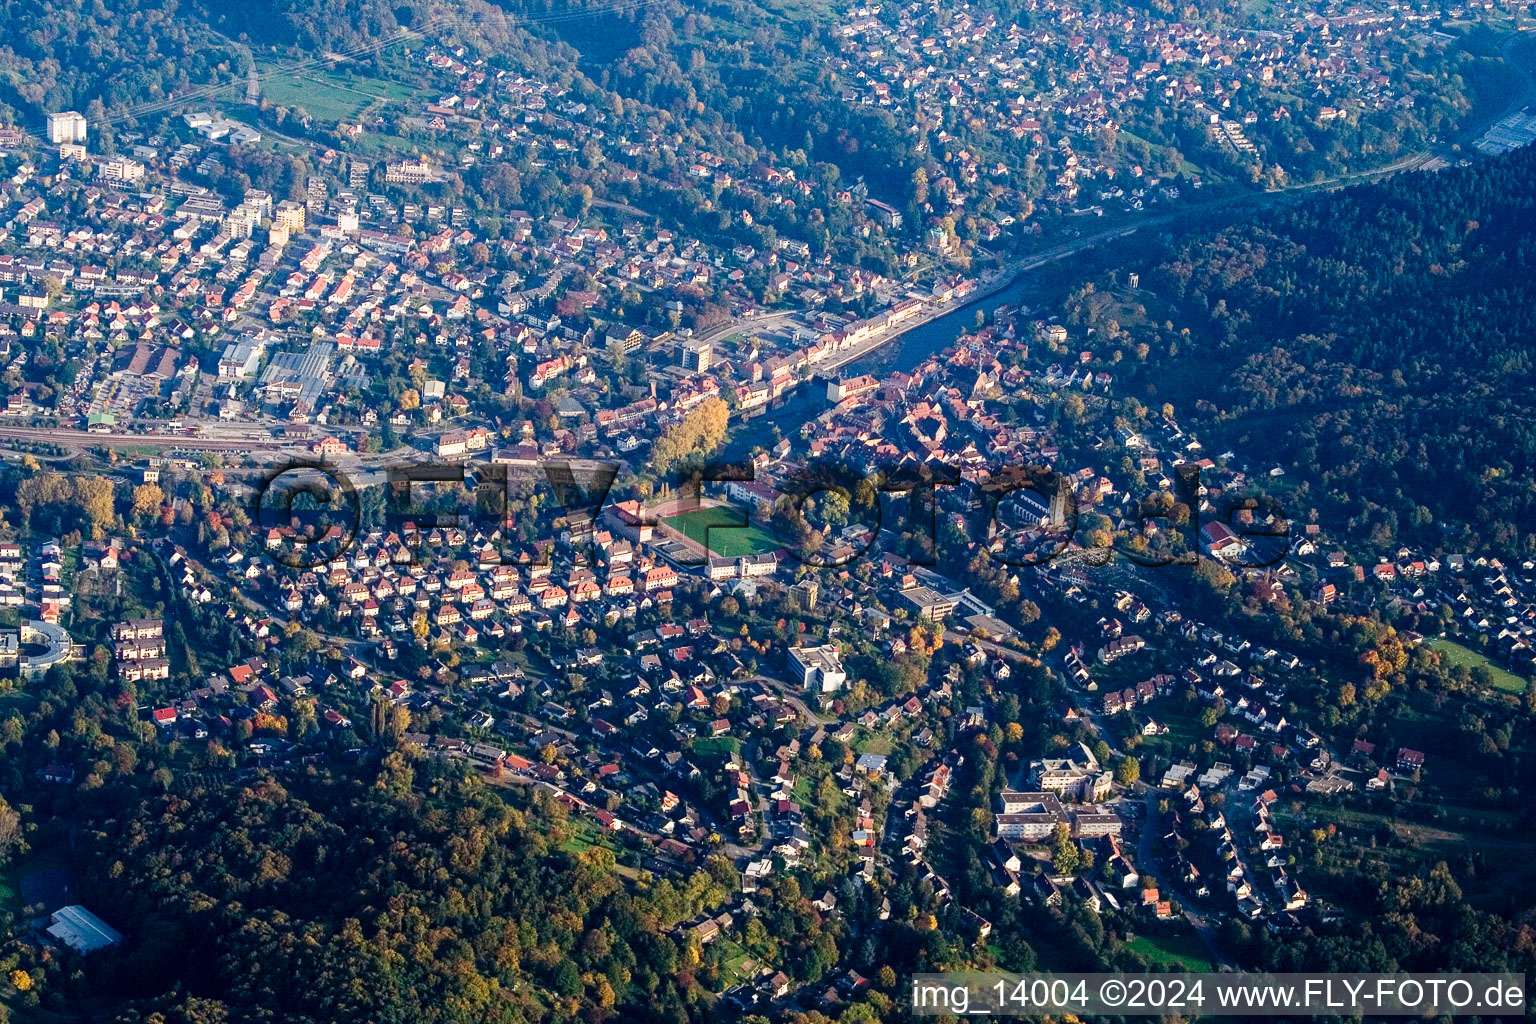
(904,353)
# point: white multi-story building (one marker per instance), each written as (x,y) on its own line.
(121,170)
(66,126)
(240,359)
(821,668)
(698,355)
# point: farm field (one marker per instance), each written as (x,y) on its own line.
(328,95)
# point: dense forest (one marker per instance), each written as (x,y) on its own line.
(1375,343)
(353,902)
(354,26)
(54,56)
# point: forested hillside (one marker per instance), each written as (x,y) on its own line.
(99,58)
(1378,342)
(353,25)
(55,56)
(334,902)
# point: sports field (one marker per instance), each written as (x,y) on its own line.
(718,528)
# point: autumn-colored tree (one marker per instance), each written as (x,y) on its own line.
(147,499)
(10,828)
(699,433)
(1128,770)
